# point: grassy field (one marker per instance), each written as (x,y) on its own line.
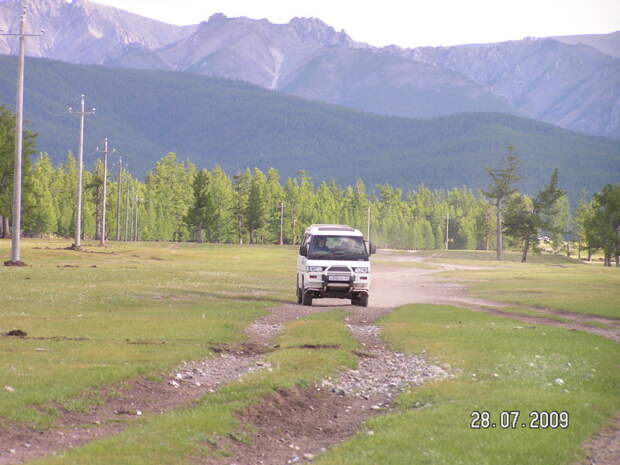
(99,317)
(497,368)
(91,316)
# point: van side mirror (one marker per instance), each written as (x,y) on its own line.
(303,251)
(373,249)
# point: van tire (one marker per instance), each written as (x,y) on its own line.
(299,290)
(306,299)
(360,301)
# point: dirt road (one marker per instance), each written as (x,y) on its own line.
(395,285)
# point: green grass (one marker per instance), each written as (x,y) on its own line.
(179,436)
(498,368)
(89,327)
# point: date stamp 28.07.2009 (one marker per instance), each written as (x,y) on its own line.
(514,419)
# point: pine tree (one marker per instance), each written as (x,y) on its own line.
(241,182)
(583,216)
(605,222)
(196,215)
(501,189)
(525,221)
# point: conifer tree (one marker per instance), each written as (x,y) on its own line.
(525,220)
(502,187)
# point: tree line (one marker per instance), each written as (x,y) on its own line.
(176,201)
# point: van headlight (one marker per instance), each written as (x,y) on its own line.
(361,270)
(314,269)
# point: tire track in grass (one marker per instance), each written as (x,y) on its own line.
(291,426)
(131,400)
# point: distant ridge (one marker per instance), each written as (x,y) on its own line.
(572,82)
(214,121)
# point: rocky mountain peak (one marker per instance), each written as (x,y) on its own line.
(217,18)
(317,30)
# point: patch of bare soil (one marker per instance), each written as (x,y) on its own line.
(295,425)
(604,447)
(17,263)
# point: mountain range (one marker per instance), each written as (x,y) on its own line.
(148,113)
(572,82)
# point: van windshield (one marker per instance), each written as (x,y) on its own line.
(337,248)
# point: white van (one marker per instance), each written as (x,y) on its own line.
(333,261)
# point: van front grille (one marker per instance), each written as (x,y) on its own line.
(340,268)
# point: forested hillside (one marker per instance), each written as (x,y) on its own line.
(147,114)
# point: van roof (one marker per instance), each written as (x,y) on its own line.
(332,229)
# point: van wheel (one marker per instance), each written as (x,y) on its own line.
(363,301)
(306,299)
(298,296)
(355,300)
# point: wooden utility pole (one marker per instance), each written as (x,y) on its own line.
(127,193)
(119,193)
(447,231)
(136,207)
(78,206)
(105,191)
(19,142)
(281,223)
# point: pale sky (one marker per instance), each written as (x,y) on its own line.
(407,23)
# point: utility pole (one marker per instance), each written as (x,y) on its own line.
(281,223)
(368,226)
(105,191)
(19,141)
(127,208)
(78,209)
(118,198)
(447,230)
(135,227)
